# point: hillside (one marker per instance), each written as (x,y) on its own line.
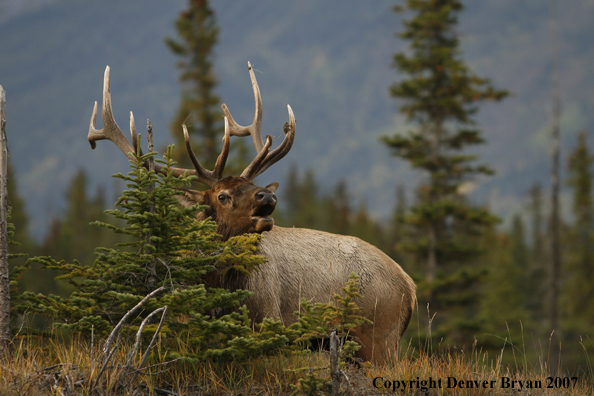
(330,60)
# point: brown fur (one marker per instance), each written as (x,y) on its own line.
(304,263)
(234,216)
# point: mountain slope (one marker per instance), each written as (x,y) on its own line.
(330,60)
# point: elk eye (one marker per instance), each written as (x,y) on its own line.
(223,197)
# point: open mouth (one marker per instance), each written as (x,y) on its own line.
(261,219)
(264,211)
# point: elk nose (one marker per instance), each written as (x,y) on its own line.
(266,198)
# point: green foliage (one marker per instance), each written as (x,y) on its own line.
(306,206)
(510,283)
(199,106)
(16,271)
(19,242)
(168,248)
(18,215)
(440,97)
(579,255)
(70,236)
(198,109)
(318,321)
(312,385)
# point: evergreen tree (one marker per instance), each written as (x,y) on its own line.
(18,215)
(309,208)
(187,251)
(537,271)
(535,208)
(71,236)
(198,32)
(399,228)
(508,287)
(338,209)
(291,197)
(303,205)
(440,97)
(365,227)
(199,108)
(20,243)
(580,261)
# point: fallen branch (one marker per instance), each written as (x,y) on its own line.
(122,322)
(107,353)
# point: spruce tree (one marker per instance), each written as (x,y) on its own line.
(339,211)
(535,208)
(398,228)
(440,96)
(70,236)
(537,284)
(309,205)
(199,108)
(580,261)
(508,287)
(187,252)
(365,227)
(303,204)
(18,214)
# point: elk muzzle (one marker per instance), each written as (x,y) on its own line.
(261,219)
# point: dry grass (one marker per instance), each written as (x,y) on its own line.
(476,373)
(73,367)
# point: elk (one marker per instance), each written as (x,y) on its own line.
(301,263)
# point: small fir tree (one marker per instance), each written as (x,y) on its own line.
(187,251)
(440,97)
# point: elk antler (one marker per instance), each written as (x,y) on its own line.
(264,159)
(111,131)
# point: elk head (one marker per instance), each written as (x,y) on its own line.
(235,203)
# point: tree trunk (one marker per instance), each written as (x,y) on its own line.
(555,243)
(152,267)
(555,223)
(4,270)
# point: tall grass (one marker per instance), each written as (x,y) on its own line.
(73,366)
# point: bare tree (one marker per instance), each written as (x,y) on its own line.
(555,242)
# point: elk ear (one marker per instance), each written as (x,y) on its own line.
(188,198)
(272,187)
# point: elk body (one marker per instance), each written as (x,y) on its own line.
(301,263)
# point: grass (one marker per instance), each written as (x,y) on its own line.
(73,367)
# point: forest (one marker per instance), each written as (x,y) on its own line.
(513,295)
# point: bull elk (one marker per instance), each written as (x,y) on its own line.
(301,263)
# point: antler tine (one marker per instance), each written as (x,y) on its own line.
(252,170)
(255,129)
(111,130)
(222,158)
(204,175)
(282,150)
(133,134)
